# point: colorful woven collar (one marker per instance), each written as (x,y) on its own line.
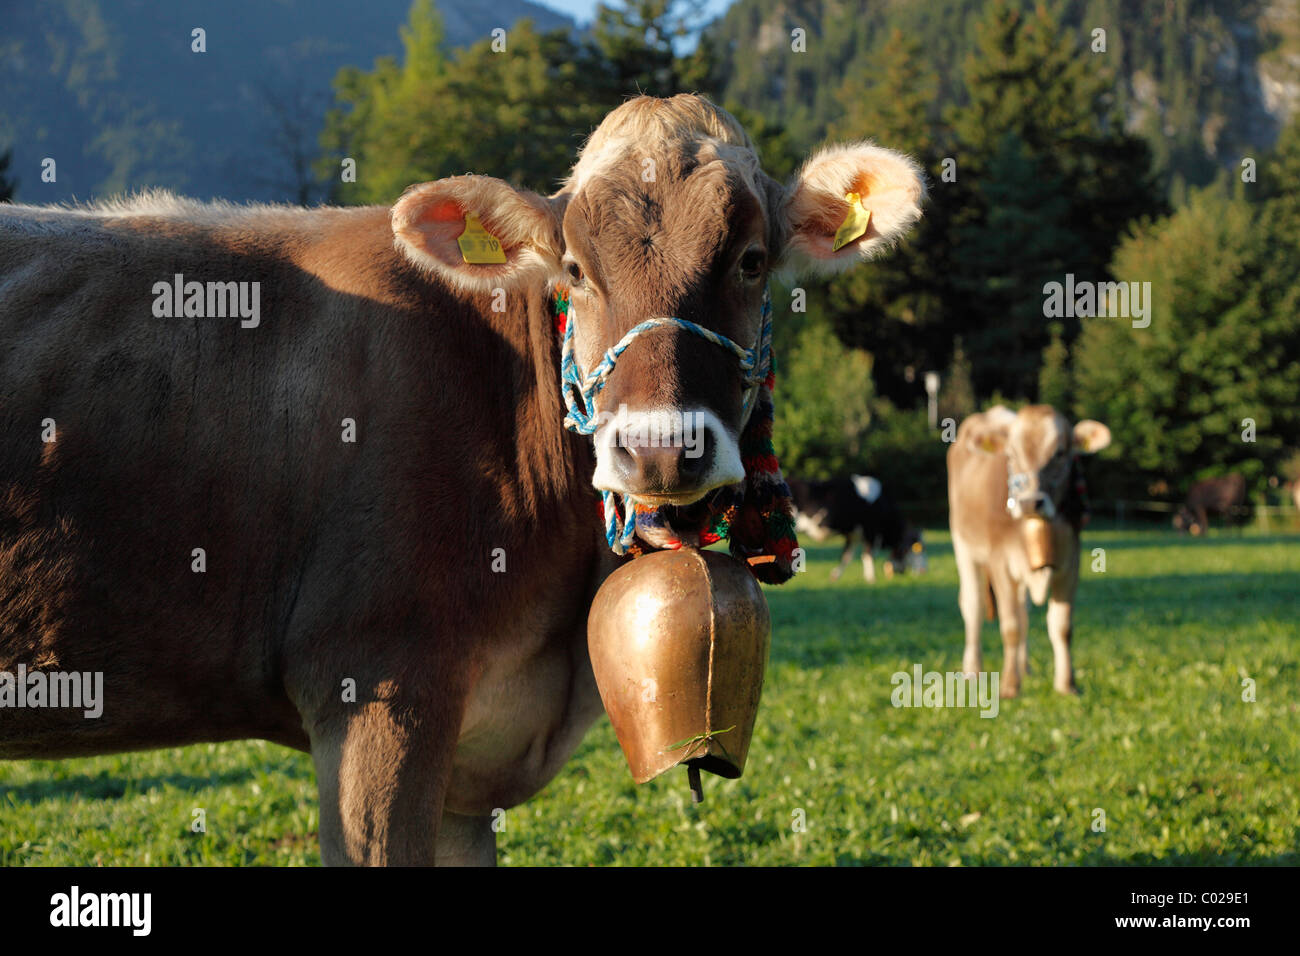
(755,516)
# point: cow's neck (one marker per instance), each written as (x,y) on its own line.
(1074,504)
(553,466)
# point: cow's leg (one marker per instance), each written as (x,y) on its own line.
(845,556)
(889,562)
(1022,610)
(868,564)
(1012,619)
(381,769)
(970,598)
(466,841)
(1202,521)
(1060,630)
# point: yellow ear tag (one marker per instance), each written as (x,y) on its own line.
(477,245)
(854,224)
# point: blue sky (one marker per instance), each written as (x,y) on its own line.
(584,10)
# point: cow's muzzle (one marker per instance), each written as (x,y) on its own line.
(666,457)
(650,472)
(1037,505)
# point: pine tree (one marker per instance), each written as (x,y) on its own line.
(896,306)
(824,406)
(391,120)
(956,388)
(635,41)
(8,185)
(890,97)
(1053,179)
(519,115)
(1280,170)
(1054,384)
(1023,239)
(1223,345)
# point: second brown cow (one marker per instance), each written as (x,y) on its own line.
(1005,470)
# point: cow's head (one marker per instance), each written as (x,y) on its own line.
(666,213)
(1040,445)
(1185,520)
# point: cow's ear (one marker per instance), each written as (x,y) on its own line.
(1090,436)
(846,205)
(990,440)
(988,432)
(479,233)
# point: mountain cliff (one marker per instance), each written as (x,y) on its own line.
(114,93)
(1205,82)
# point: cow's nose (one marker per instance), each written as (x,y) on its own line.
(650,469)
(1036,504)
(695,458)
(666,468)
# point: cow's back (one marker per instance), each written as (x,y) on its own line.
(1218,494)
(159,473)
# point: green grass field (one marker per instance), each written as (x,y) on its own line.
(1161,740)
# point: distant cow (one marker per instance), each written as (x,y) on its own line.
(304,475)
(858,507)
(1224,496)
(1003,468)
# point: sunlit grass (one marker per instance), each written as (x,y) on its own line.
(1160,741)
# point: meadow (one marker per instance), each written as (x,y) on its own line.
(1160,747)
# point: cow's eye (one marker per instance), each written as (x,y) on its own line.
(575,273)
(751,264)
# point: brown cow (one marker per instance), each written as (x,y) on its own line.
(1225,495)
(356,436)
(1005,467)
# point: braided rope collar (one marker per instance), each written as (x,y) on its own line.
(580,390)
(1074,504)
(755,363)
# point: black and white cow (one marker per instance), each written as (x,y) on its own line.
(857,506)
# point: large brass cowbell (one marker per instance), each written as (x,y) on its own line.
(1038,537)
(679,643)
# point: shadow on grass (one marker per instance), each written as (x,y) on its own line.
(1097,859)
(104,787)
(1164,538)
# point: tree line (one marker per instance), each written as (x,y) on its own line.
(1032,176)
